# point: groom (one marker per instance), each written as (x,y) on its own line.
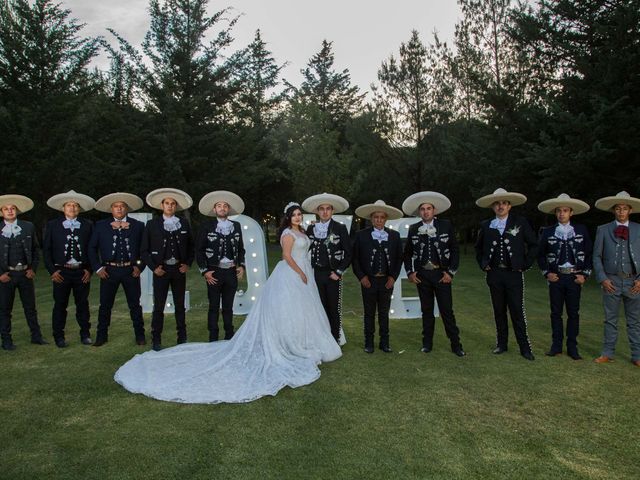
(330,253)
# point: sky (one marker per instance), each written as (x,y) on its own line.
(364,33)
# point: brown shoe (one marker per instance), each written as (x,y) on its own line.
(603,359)
(636,362)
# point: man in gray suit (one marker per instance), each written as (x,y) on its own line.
(616,263)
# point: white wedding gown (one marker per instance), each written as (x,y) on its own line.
(284,338)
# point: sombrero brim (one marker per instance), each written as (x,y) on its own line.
(58,201)
(607,203)
(338,203)
(365,211)
(549,206)
(513,198)
(22,203)
(411,205)
(183,199)
(134,202)
(236,204)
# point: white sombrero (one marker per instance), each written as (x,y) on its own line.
(365,211)
(411,205)
(183,199)
(22,203)
(563,200)
(514,198)
(621,198)
(236,205)
(85,202)
(338,203)
(134,202)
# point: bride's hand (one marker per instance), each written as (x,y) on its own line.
(303,277)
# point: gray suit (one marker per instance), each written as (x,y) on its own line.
(619,261)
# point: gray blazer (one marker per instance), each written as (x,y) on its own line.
(606,245)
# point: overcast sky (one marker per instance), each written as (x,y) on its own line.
(364,33)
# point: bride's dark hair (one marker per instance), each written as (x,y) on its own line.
(286,219)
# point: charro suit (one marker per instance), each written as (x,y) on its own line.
(377,260)
(504,257)
(618,260)
(118,251)
(430,253)
(330,254)
(61,245)
(555,252)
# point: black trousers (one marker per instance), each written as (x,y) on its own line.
(565,293)
(178,282)
(27,293)
(329,291)
(507,291)
(376,297)
(72,282)
(225,289)
(108,290)
(429,289)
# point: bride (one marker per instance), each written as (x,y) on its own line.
(281,342)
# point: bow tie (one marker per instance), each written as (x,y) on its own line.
(380,235)
(71,224)
(224,227)
(429,229)
(172,224)
(565,232)
(118,224)
(320,229)
(10,229)
(622,232)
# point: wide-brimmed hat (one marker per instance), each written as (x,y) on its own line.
(563,200)
(411,205)
(134,202)
(183,199)
(338,203)
(236,205)
(22,203)
(58,201)
(365,211)
(500,194)
(620,198)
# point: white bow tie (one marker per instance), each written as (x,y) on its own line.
(225,227)
(71,224)
(10,229)
(565,232)
(498,224)
(380,235)
(427,228)
(320,229)
(171,224)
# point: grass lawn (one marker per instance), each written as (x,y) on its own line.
(401,415)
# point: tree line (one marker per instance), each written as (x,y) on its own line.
(538,97)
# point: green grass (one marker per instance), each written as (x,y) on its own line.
(403,415)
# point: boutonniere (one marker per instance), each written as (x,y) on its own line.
(330,239)
(514,231)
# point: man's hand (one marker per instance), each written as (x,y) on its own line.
(135,272)
(184,268)
(86,276)
(30,274)
(580,279)
(240,272)
(390,283)
(413,278)
(159,271)
(364,281)
(636,287)
(211,280)
(446,278)
(607,286)
(552,277)
(5,277)
(57,277)
(102,273)
(333,276)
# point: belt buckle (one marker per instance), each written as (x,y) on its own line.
(171,261)
(430,266)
